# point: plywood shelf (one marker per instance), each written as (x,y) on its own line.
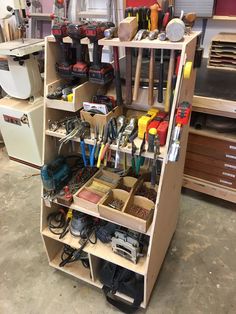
(127,149)
(96,14)
(101,250)
(214,134)
(96,214)
(68,40)
(75,269)
(146,43)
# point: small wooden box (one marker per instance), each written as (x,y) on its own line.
(124,218)
(109,178)
(81,93)
(100,119)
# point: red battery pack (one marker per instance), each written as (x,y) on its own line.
(162,132)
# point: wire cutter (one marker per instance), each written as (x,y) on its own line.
(92,148)
(111,135)
(139,160)
(83,151)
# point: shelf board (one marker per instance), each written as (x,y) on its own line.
(146,43)
(75,269)
(127,149)
(97,215)
(224,17)
(231,137)
(96,14)
(40,16)
(209,188)
(215,106)
(68,40)
(101,250)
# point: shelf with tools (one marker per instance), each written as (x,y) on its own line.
(94,214)
(102,251)
(125,150)
(151,44)
(142,227)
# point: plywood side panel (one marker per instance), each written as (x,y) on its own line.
(170,188)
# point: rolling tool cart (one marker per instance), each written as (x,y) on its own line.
(103,196)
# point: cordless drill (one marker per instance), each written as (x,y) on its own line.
(76,33)
(64,66)
(100,73)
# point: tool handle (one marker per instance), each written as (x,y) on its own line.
(154,16)
(92,155)
(153,174)
(128,53)
(138,74)
(151,77)
(161,79)
(99,156)
(82,146)
(97,53)
(169,80)
(117,76)
(105,149)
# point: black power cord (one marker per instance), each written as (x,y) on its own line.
(58,220)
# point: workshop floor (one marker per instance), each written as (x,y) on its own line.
(198,274)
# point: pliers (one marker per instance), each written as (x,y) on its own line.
(83,151)
(92,148)
(111,135)
(139,160)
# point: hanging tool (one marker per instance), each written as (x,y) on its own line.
(76,32)
(139,160)
(100,73)
(111,136)
(83,149)
(181,119)
(151,139)
(154,164)
(93,151)
(154,25)
(169,80)
(142,33)
(120,128)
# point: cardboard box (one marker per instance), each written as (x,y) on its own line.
(100,119)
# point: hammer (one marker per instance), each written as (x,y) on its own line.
(142,33)
(154,26)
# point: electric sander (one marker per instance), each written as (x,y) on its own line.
(76,32)
(100,73)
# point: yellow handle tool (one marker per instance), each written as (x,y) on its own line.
(100,155)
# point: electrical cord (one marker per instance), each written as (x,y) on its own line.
(75,255)
(57,220)
(70,255)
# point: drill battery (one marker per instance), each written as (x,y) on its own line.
(102,74)
(76,32)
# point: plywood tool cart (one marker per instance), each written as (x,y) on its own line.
(166,210)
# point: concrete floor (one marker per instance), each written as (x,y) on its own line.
(198,274)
